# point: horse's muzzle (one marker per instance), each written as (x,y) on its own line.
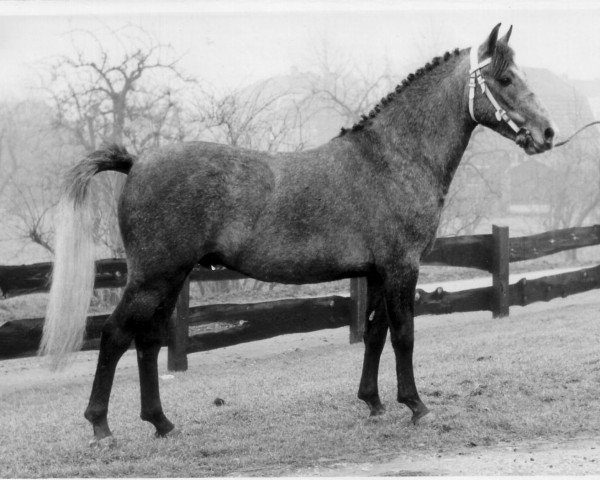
(526,141)
(524,138)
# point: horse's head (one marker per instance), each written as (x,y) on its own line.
(500,98)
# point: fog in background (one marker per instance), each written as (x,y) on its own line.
(239,42)
(277,76)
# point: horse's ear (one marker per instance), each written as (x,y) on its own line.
(488,47)
(506,36)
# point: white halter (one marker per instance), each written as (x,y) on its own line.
(475,77)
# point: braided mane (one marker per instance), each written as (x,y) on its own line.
(365,119)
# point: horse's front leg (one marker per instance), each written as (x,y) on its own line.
(376,326)
(400,296)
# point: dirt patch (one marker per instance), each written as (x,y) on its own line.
(578,456)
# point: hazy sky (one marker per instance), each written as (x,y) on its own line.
(235,43)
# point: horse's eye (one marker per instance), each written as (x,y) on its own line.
(504,81)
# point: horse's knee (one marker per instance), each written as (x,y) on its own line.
(375,328)
(403,343)
(374,341)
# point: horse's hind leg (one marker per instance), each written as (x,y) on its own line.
(115,339)
(374,338)
(147,347)
(135,313)
(148,343)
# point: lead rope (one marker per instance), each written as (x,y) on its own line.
(560,144)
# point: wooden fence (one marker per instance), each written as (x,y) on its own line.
(247,322)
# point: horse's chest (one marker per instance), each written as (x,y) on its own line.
(418,205)
(411,220)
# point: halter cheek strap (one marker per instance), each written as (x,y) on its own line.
(476,78)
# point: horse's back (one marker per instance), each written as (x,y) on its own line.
(253,211)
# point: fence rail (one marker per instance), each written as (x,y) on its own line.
(474,251)
(247,322)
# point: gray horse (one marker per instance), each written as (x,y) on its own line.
(367,203)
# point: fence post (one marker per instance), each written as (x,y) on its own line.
(358,311)
(178,331)
(500,270)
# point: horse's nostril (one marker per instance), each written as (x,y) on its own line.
(549,134)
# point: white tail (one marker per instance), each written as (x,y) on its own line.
(72,280)
(73,273)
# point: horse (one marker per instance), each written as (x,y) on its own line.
(367,203)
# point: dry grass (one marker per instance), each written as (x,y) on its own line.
(533,375)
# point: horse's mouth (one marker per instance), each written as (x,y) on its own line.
(525,140)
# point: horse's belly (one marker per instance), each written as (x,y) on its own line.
(310,261)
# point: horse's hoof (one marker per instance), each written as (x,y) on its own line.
(377,411)
(419,414)
(103,443)
(175,432)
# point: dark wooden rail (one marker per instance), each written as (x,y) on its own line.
(247,322)
(464,251)
(547,243)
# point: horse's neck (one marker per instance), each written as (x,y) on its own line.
(430,123)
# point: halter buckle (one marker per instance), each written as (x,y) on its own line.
(480,80)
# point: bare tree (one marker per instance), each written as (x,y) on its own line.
(9,163)
(31,207)
(32,155)
(573,191)
(343,87)
(98,95)
(264,116)
(126,96)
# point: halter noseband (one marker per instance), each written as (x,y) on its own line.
(476,78)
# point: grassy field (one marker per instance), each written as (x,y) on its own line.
(291,402)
